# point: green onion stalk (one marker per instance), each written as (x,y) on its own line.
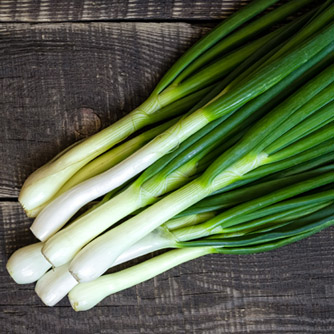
(221,106)
(86,295)
(302,121)
(43,184)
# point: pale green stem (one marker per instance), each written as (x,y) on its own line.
(86,295)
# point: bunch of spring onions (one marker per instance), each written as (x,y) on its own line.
(235,156)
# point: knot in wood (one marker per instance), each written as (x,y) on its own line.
(87,122)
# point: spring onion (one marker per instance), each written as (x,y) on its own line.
(232,153)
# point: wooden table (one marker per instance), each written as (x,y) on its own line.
(69,68)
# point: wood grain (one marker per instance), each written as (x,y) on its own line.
(62,82)
(87,10)
(289,290)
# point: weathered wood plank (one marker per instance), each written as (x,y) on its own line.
(61,82)
(289,290)
(87,10)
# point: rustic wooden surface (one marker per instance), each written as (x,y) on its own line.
(139,10)
(63,76)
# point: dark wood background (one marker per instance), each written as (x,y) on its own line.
(70,68)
